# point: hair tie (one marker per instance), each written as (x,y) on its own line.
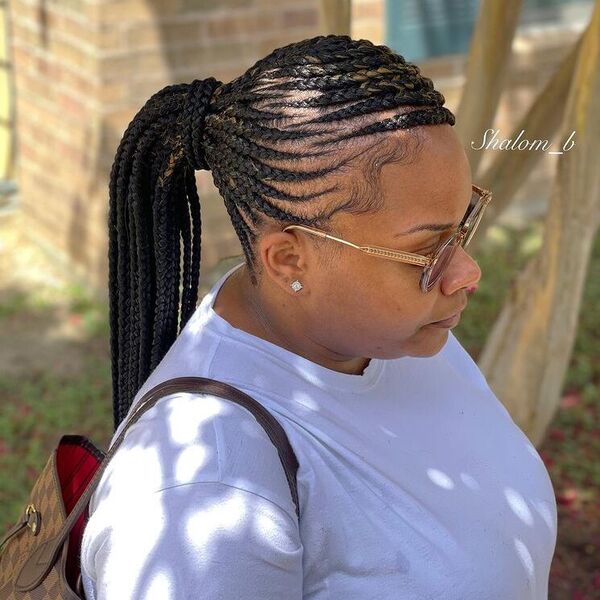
(195,110)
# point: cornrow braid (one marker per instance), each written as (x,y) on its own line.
(272,138)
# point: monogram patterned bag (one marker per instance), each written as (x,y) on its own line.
(40,554)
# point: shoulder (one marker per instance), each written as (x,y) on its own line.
(194,498)
(189,437)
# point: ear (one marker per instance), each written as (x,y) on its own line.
(285,257)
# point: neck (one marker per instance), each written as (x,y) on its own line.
(255,302)
(265,319)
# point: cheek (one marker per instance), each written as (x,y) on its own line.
(413,315)
(351,306)
(403,298)
(392,312)
(375,296)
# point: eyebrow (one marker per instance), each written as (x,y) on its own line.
(432,226)
(426,227)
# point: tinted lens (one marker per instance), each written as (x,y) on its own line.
(442,262)
(449,249)
(474,219)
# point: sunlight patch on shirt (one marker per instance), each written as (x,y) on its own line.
(267,522)
(190,460)
(159,588)
(305,399)
(440,479)
(187,413)
(544,510)
(131,531)
(519,506)
(133,470)
(532,450)
(526,559)
(385,430)
(224,515)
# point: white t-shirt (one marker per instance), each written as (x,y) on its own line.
(414,483)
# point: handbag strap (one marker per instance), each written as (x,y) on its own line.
(46,556)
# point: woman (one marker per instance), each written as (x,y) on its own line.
(414,482)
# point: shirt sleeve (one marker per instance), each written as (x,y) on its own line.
(194,504)
(201,540)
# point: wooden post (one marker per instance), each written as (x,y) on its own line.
(530,345)
(487,64)
(509,170)
(335,16)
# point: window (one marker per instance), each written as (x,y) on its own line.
(421,29)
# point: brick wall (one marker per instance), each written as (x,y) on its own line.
(83,68)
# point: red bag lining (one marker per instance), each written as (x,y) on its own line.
(77,459)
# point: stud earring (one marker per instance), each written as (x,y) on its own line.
(296,285)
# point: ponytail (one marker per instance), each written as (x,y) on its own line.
(153,201)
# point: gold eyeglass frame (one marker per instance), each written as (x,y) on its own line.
(427,262)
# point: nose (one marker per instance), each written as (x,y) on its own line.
(462,271)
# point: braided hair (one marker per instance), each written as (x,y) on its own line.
(259,135)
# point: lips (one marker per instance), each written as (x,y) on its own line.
(451,322)
(453,314)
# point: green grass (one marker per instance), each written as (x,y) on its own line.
(35,413)
(39,409)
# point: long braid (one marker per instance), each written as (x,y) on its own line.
(275,139)
(153,197)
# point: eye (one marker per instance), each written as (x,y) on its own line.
(428,250)
(433,247)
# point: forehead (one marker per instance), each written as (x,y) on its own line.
(433,187)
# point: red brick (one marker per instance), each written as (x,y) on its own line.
(112,92)
(29,13)
(304,17)
(123,12)
(142,89)
(79,83)
(72,26)
(120,65)
(143,35)
(71,55)
(369,30)
(231,27)
(183,32)
(107,38)
(71,106)
(266,45)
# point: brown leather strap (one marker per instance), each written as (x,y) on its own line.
(45,557)
(13,531)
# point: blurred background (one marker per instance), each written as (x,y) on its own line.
(74,72)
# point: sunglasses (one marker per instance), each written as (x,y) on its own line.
(434,264)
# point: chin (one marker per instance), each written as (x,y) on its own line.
(436,339)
